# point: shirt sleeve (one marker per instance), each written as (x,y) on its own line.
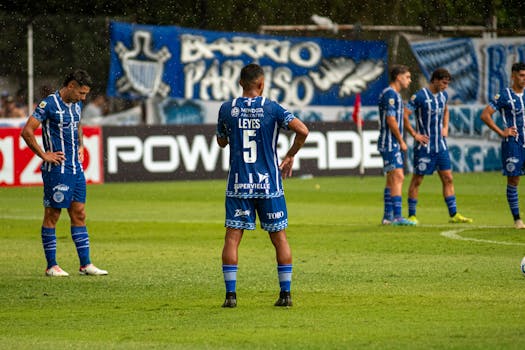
(412,103)
(40,111)
(284,117)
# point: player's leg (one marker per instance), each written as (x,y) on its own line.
(274,219)
(413,193)
(240,215)
(397,178)
(388,214)
(52,210)
(445,174)
(79,232)
(512,159)
(513,200)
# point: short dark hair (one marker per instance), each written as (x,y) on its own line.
(80,76)
(250,73)
(440,73)
(396,70)
(516,67)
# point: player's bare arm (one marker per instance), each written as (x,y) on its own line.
(80,144)
(392,124)
(28,134)
(301,132)
(486,117)
(446,117)
(222,141)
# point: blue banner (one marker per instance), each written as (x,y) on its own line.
(479,67)
(171,61)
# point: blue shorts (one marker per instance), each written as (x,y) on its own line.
(62,189)
(393,160)
(426,163)
(241,213)
(512,158)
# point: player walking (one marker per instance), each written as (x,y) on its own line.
(250,125)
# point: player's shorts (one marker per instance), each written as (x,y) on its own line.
(426,163)
(512,158)
(241,213)
(60,190)
(393,160)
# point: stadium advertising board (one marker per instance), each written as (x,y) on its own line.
(480,67)
(191,152)
(176,62)
(20,166)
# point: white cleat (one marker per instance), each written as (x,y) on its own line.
(56,271)
(519,224)
(91,270)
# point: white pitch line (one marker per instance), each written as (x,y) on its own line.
(453,234)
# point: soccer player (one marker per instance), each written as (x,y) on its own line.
(430,147)
(250,125)
(391,144)
(62,173)
(510,103)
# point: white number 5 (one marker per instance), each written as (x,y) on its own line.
(249,146)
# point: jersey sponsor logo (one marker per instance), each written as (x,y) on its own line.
(235,112)
(240,212)
(263,177)
(251,186)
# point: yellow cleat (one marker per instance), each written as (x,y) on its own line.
(460,219)
(413,219)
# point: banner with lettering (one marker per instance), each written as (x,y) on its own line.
(480,67)
(171,61)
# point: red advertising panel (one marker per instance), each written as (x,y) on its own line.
(19,166)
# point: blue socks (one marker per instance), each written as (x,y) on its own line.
(388,204)
(285,277)
(81,239)
(412,203)
(230,277)
(396,201)
(451,205)
(49,242)
(512,198)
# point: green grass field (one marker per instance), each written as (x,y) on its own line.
(356,284)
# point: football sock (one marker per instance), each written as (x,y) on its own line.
(451,205)
(81,239)
(285,277)
(49,241)
(412,203)
(230,277)
(512,198)
(388,204)
(396,200)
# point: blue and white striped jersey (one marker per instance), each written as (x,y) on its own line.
(60,122)
(252,127)
(429,110)
(511,106)
(390,104)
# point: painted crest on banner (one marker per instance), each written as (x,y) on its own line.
(143,68)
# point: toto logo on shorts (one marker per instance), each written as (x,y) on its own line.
(276,215)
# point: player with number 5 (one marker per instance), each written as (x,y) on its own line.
(250,125)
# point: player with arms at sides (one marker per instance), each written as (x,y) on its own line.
(430,148)
(391,144)
(62,173)
(250,125)
(510,103)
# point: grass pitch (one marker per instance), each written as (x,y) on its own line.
(356,284)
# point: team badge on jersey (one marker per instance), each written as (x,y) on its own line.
(391,101)
(413,97)
(235,112)
(496,97)
(42,104)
